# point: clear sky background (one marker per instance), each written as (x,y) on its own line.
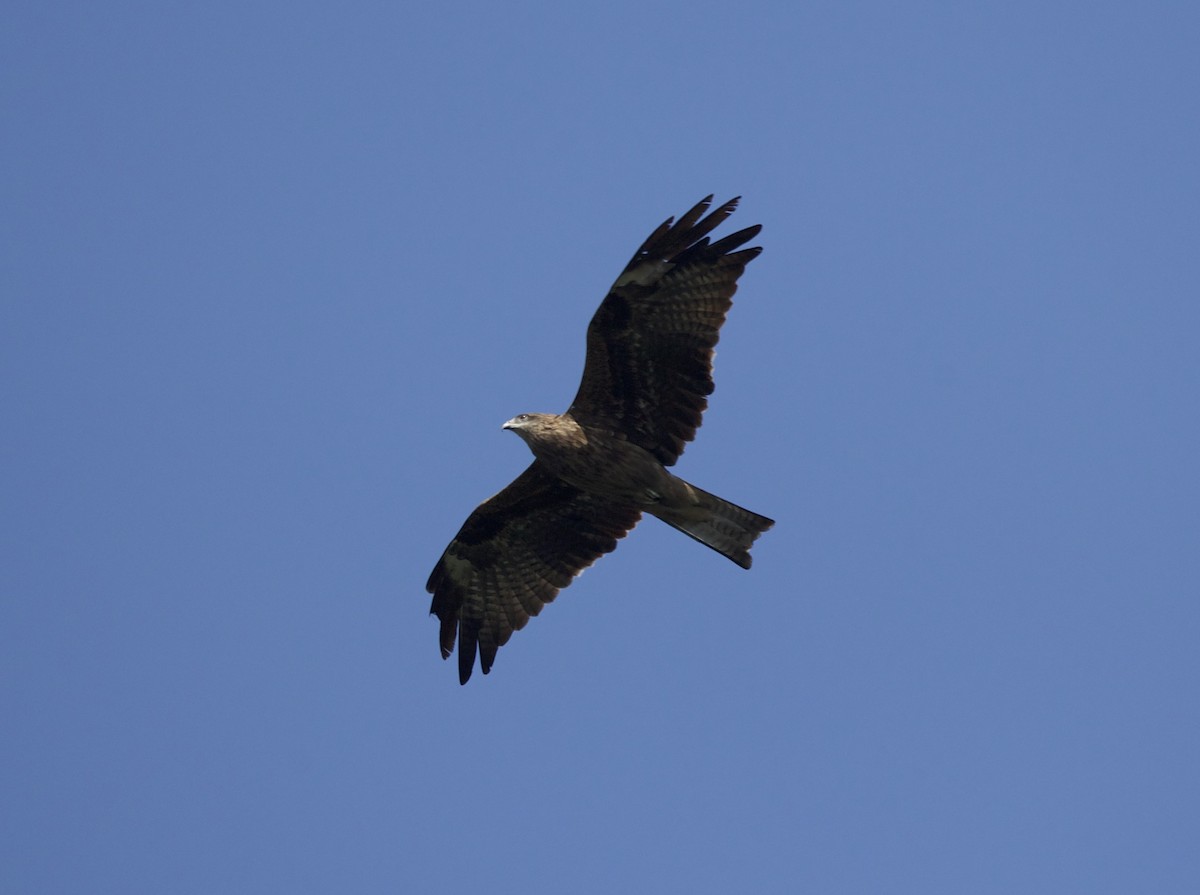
(274,274)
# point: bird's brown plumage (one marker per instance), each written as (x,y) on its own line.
(521,546)
(648,372)
(645,386)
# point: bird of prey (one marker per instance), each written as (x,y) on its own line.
(599,466)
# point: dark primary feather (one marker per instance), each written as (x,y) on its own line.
(648,372)
(512,556)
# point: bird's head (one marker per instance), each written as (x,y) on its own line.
(522,422)
(532,427)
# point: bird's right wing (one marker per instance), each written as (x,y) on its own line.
(512,556)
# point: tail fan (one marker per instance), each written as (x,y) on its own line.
(718,524)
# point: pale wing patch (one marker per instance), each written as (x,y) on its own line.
(460,570)
(644,274)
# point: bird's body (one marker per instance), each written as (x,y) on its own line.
(604,464)
(600,465)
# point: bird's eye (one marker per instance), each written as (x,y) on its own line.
(522,416)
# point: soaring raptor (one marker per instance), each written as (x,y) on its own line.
(600,465)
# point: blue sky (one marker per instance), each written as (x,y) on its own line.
(273,275)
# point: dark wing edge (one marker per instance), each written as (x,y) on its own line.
(650,344)
(512,556)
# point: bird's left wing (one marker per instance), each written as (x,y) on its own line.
(648,372)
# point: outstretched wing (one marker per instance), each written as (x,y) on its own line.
(512,557)
(648,372)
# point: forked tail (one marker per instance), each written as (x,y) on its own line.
(716,523)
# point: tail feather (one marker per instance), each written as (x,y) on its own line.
(716,523)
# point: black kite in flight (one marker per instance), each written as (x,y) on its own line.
(600,465)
